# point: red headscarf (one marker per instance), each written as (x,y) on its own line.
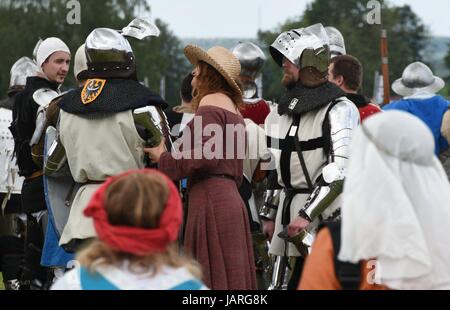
(135,240)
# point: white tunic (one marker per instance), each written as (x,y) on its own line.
(96,149)
(278,128)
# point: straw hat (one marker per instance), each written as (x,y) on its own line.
(220,59)
(417,77)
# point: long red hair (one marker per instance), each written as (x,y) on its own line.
(210,81)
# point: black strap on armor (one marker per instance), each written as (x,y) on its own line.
(290,194)
(348,274)
(299,151)
(286,144)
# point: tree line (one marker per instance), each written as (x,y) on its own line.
(23,22)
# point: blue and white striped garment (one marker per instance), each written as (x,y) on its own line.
(114,278)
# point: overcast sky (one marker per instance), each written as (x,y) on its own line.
(243,18)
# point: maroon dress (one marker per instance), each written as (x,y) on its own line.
(217,230)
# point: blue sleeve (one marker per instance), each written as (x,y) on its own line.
(390,106)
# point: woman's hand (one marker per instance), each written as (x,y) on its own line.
(155,152)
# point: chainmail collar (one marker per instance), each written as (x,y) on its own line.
(300,99)
(118,95)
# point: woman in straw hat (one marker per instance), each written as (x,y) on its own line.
(137,234)
(217,229)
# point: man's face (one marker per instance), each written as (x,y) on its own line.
(290,73)
(332,78)
(56,67)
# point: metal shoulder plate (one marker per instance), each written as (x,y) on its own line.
(44,96)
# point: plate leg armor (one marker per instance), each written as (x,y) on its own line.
(282,271)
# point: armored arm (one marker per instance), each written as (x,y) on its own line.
(56,154)
(152,126)
(43,98)
(269,210)
(343,119)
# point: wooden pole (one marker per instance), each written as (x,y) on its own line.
(385,67)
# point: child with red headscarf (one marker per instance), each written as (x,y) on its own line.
(137,217)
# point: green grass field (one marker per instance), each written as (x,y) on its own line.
(1,282)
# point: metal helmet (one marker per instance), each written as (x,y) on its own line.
(252,60)
(417,77)
(140,28)
(22,68)
(80,68)
(251,57)
(304,47)
(36,47)
(109,54)
(337,44)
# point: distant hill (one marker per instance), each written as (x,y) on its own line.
(206,43)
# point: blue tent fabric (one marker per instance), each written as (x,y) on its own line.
(430,111)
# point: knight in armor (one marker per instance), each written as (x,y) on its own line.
(254,110)
(418,87)
(53,59)
(12,220)
(252,60)
(54,256)
(103,127)
(308,135)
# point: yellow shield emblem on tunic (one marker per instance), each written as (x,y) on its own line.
(91,90)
